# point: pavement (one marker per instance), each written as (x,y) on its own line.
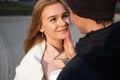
(12,33)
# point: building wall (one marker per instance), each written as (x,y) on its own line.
(8,0)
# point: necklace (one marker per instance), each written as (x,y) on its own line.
(62,57)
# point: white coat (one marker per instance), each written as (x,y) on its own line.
(30,67)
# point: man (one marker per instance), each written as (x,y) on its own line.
(98,53)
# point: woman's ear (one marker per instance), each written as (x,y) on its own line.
(42,29)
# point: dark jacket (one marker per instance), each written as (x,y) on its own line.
(98,56)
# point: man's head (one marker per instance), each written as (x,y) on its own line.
(101,11)
(94,9)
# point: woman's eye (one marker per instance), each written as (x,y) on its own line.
(53,19)
(65,16)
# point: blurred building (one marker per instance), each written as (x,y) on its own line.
(8,0)
(15,0)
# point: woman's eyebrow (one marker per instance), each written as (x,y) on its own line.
(56,15)
(52,16)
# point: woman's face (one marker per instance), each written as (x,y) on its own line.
(55,22)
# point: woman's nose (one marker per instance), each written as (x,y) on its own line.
(62,22)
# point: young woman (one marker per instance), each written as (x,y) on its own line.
(47,42)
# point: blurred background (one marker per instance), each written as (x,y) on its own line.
(15,18)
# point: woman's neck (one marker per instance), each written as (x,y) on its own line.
(58,45)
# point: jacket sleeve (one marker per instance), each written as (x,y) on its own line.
(79,69)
